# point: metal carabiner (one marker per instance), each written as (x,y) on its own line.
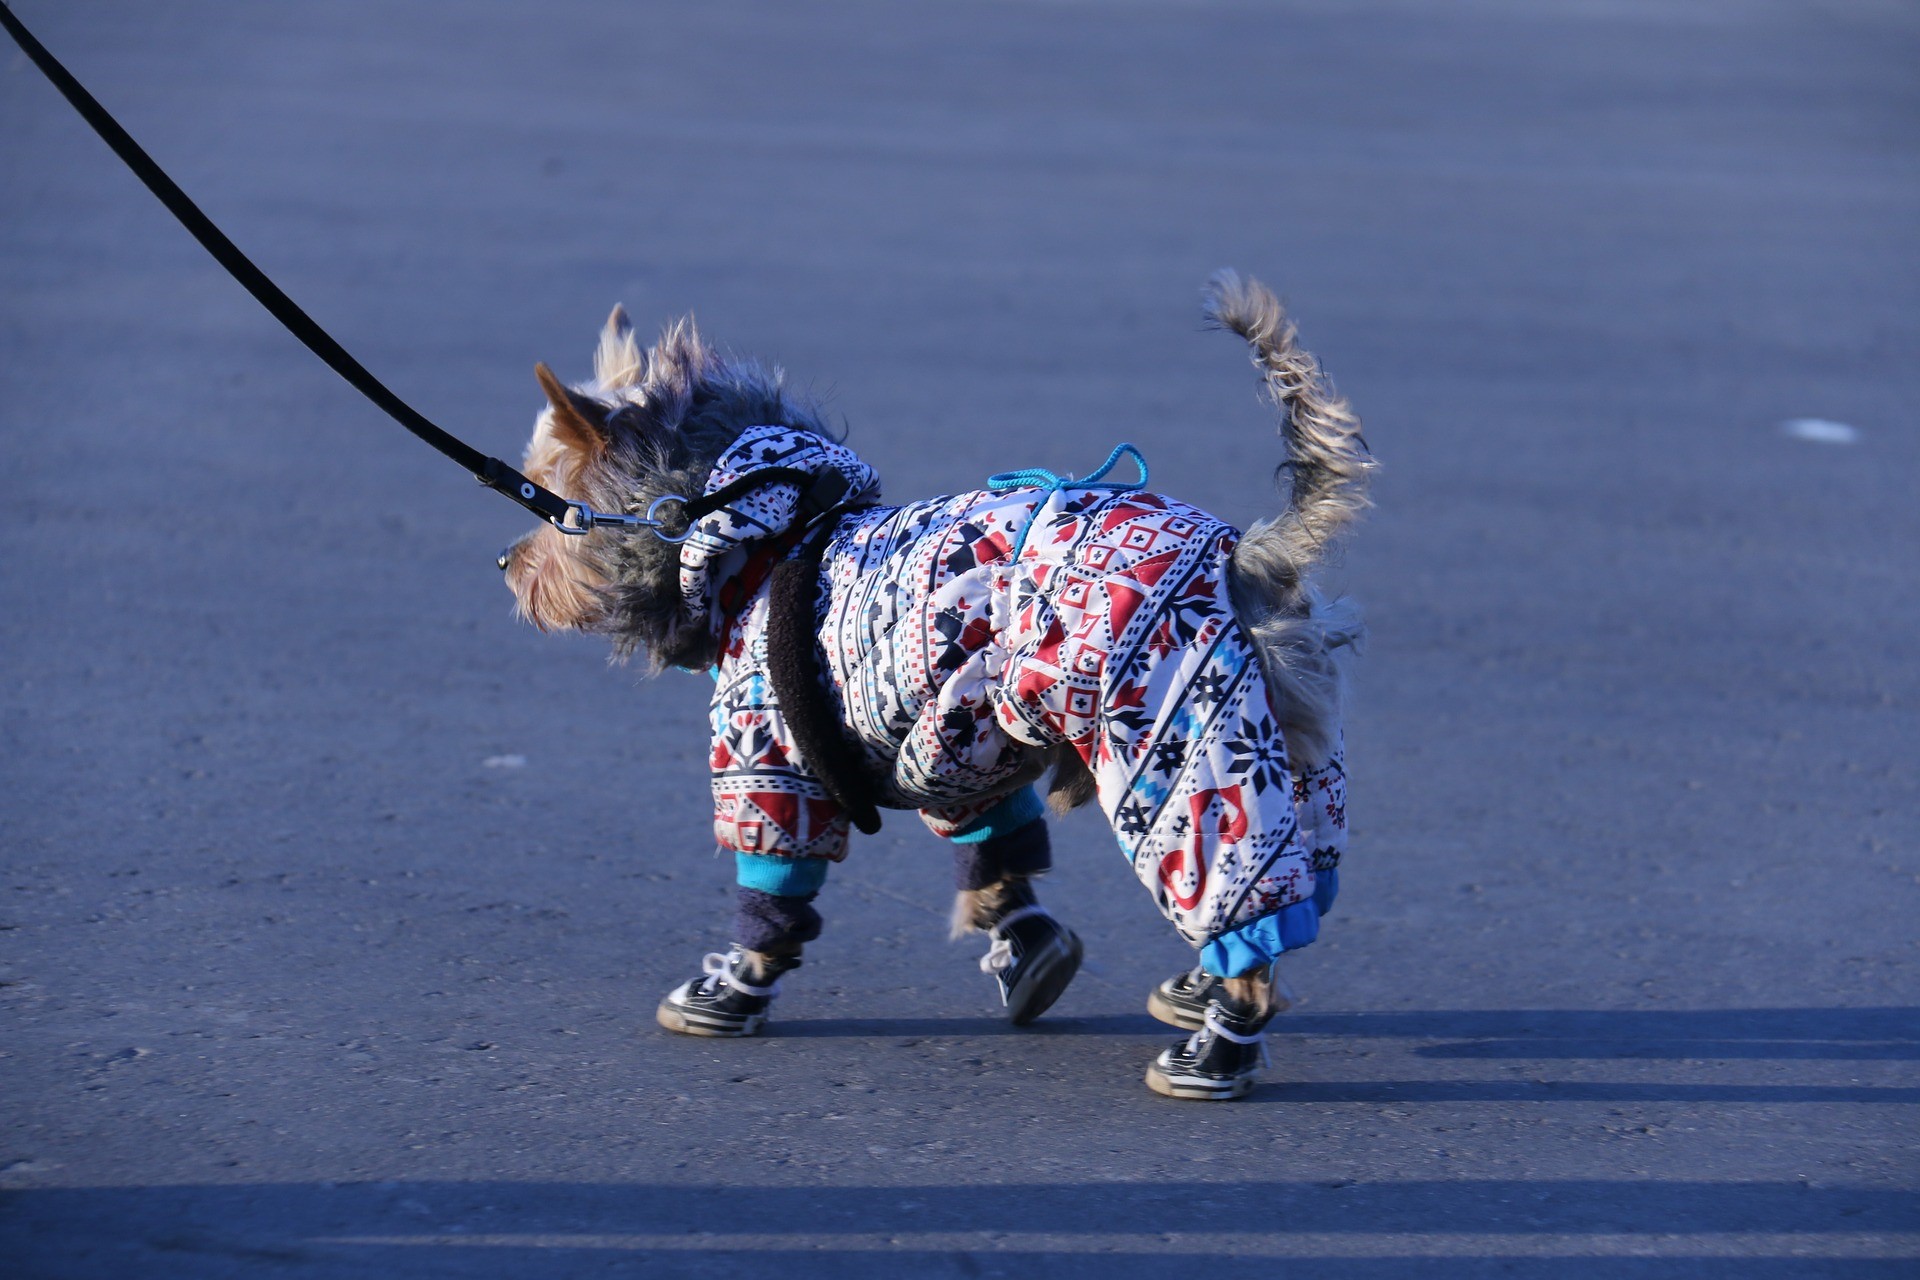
(581,519)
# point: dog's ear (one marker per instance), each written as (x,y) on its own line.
(579,422)
(617,361)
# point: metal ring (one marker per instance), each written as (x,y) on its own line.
(654,520)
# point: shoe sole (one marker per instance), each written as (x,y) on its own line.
(1050,976)
(1196,1088)
(1174,1015)
(675,1019)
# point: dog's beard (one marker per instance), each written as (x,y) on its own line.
(555,587)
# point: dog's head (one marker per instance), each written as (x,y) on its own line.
(649,424)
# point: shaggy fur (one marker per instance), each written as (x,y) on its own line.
(976,910)
(649,424)
(653,423)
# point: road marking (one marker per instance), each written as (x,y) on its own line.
(1310,1244)
(1820,430)
(504,762)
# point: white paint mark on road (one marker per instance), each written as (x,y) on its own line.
(1689,1245)
(504,762)
(1820,430)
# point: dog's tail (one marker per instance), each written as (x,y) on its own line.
(1300,634)
(1327,458)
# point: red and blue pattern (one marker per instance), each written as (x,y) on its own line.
(956,665)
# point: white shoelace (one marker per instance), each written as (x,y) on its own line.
(1196,1043)
(999,957)
(719,968)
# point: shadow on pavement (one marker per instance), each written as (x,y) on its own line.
(967,1028)
(1813,1035)
(1835,1035)
(1282,1091)
(538,1230)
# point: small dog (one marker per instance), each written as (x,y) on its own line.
(948,654)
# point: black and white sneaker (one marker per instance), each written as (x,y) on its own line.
(730,998)
(1182,1000)
(1033,957)
(1216,1062)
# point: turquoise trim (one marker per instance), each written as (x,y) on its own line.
(1326,887)
(1253,946)
(1011,814)
(1041,478)
(782,877)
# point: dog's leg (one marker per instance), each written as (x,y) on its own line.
(1252,994)
(775,925)
(1031,955)
(994,877)
(773,921)
(1218,1060)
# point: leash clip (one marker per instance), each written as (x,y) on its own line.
(580,519)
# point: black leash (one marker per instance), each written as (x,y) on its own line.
(565,515)
(801,689)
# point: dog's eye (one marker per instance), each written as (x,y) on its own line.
(502,559)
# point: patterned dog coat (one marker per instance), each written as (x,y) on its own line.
(955,663)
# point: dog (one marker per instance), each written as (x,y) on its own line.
(949,654)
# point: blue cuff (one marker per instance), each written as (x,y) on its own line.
(782,877)
(1255,945)
(1011,814)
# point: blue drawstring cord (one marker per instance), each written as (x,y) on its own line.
(1041,478)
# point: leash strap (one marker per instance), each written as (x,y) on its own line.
(568,517)
(819,494)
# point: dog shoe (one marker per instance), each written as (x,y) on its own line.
(1216,1062)
(1182,1000)
(730,998)
(1033,957)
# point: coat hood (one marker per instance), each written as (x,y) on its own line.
(718,543)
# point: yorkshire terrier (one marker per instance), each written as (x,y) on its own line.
(948,654)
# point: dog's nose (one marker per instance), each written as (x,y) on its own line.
(502,559)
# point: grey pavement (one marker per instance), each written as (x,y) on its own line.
(304,975)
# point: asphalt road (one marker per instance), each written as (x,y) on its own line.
(306,976)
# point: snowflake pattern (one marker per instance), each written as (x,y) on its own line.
(956,668)
(1261,757)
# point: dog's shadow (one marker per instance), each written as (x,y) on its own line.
(966,1028)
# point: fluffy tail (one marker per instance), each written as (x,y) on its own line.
(1301,635)
(1327,457)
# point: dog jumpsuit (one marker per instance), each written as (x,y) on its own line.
(955,664)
